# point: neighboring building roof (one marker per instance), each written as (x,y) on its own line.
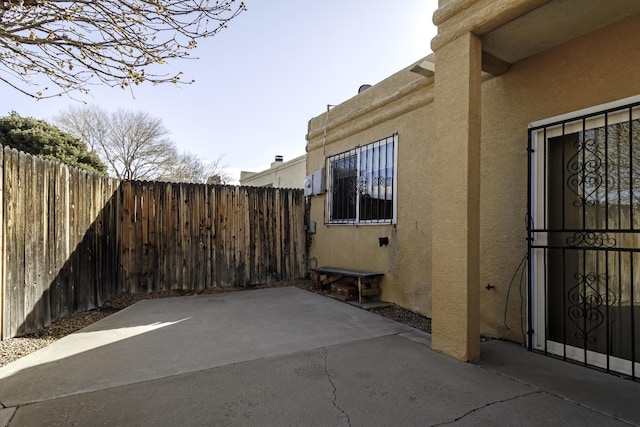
(280,174)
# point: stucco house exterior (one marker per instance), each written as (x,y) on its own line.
(503,168)
(281,174)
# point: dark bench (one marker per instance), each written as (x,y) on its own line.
(368,282)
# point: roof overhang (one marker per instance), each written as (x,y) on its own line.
(512,30)
(552,24)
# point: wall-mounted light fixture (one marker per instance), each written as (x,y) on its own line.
(383,241)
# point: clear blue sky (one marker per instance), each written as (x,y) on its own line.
(259,81)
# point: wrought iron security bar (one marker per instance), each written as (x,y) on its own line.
(362,184)
(584,239)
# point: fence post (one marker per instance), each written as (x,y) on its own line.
(2,278)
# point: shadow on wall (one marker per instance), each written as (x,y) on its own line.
(74,240)
(60,252)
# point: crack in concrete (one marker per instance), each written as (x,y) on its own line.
(487,405)
(335,397)
(559,396)
(14,410)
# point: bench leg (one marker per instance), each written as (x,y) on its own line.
(368,289)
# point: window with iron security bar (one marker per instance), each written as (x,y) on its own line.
(362,184)
(584,238)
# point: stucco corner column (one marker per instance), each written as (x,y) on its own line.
(456,199)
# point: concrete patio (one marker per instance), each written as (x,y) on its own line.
(285,356)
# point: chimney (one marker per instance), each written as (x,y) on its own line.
(279,158)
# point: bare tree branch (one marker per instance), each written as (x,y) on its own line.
(118,43)
(191,168)
(136,146)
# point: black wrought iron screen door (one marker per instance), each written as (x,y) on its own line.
(584,238)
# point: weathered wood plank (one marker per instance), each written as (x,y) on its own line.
(279,234)
(230,237)
(89,239)
(216,237)
(243,230)
(112,221)
(132,247)
(127,213)
(2,245)
(170,243)
(111,269)
(79,256)
(235,237)
(21,230)
(138,240)
(73,240)
(175,263)
(206,236)
(247,234)
(49,200)
(264,241)
(143,228)
(194,251)
(108,245)
(11,181)
(152,246)
(10,252)
(286,233)
(115,226)
(188,238)
(303,262)
(42,271)
(229,228)
(191,253)
(29,165)
(207,243)
(157,236)
(61,237)
(250,238)
(224,252)
(100,257)
(201,267)
(182,217)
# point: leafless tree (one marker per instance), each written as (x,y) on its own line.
(189,167)
(139,145)
(136,146)
(118,43)
(90,124)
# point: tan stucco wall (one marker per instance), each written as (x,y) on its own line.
(455,194)
(288,174)
(597,68)
(401,104)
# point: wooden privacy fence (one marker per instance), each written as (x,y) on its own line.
(192,236)
(72,240)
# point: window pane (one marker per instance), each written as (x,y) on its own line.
(362,183)
(376,182)
(344,174)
